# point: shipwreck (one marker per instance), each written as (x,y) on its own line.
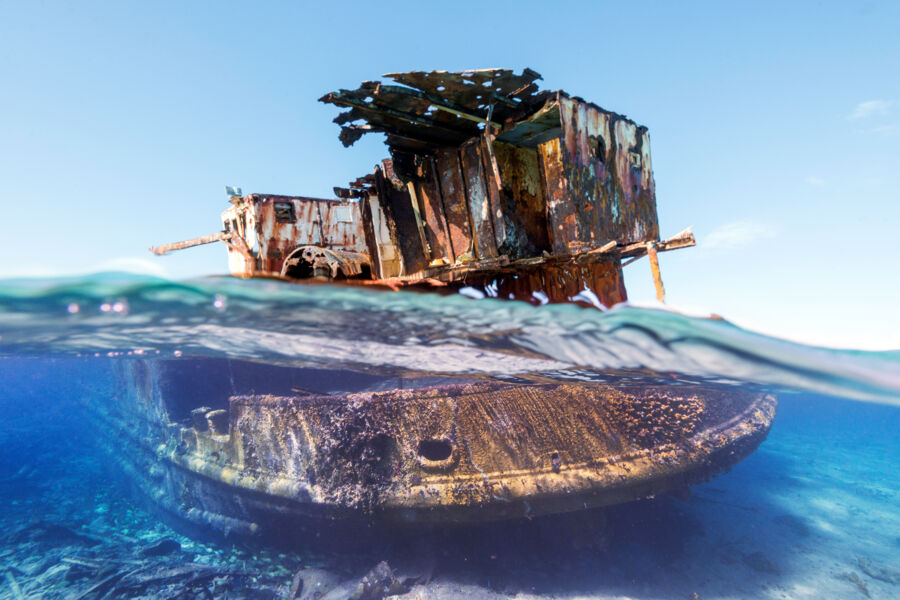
(490,183)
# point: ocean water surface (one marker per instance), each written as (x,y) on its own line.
(813,513)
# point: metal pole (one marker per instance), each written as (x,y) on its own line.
(654,268)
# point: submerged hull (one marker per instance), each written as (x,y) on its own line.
(251,462)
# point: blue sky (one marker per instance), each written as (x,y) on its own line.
(775,131)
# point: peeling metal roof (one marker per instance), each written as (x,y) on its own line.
(436,108)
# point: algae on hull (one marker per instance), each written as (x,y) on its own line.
(469,452)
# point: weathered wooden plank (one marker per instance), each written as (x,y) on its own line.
(453,195)
(436,230)
(370,236)
(492,185)
(476,194)
(420,223)
(398,211)
(562,227)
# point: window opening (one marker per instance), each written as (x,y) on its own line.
(284,212)
(598,148)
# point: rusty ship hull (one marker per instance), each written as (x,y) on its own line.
(469,452)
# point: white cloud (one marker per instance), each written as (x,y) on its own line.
(871,108)
(736,234)
(813,180)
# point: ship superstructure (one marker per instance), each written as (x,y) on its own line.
(491,182)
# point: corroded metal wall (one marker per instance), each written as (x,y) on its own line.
(333,224)
(573,193)
(564,283)
(599,179)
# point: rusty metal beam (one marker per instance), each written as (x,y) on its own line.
(684,239)
(467,116)
(198,241)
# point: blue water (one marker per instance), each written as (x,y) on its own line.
(813,513)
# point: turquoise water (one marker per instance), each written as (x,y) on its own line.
(412,333)
(813,513)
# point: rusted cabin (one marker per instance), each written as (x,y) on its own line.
(295,236)
(491,183)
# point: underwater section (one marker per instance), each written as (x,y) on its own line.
(255,439)
(812,513)
(283,445)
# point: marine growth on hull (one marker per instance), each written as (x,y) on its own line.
(250,447)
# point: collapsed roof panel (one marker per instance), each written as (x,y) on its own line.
(436,108)
(475,90)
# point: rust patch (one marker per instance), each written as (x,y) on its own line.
(606,159)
